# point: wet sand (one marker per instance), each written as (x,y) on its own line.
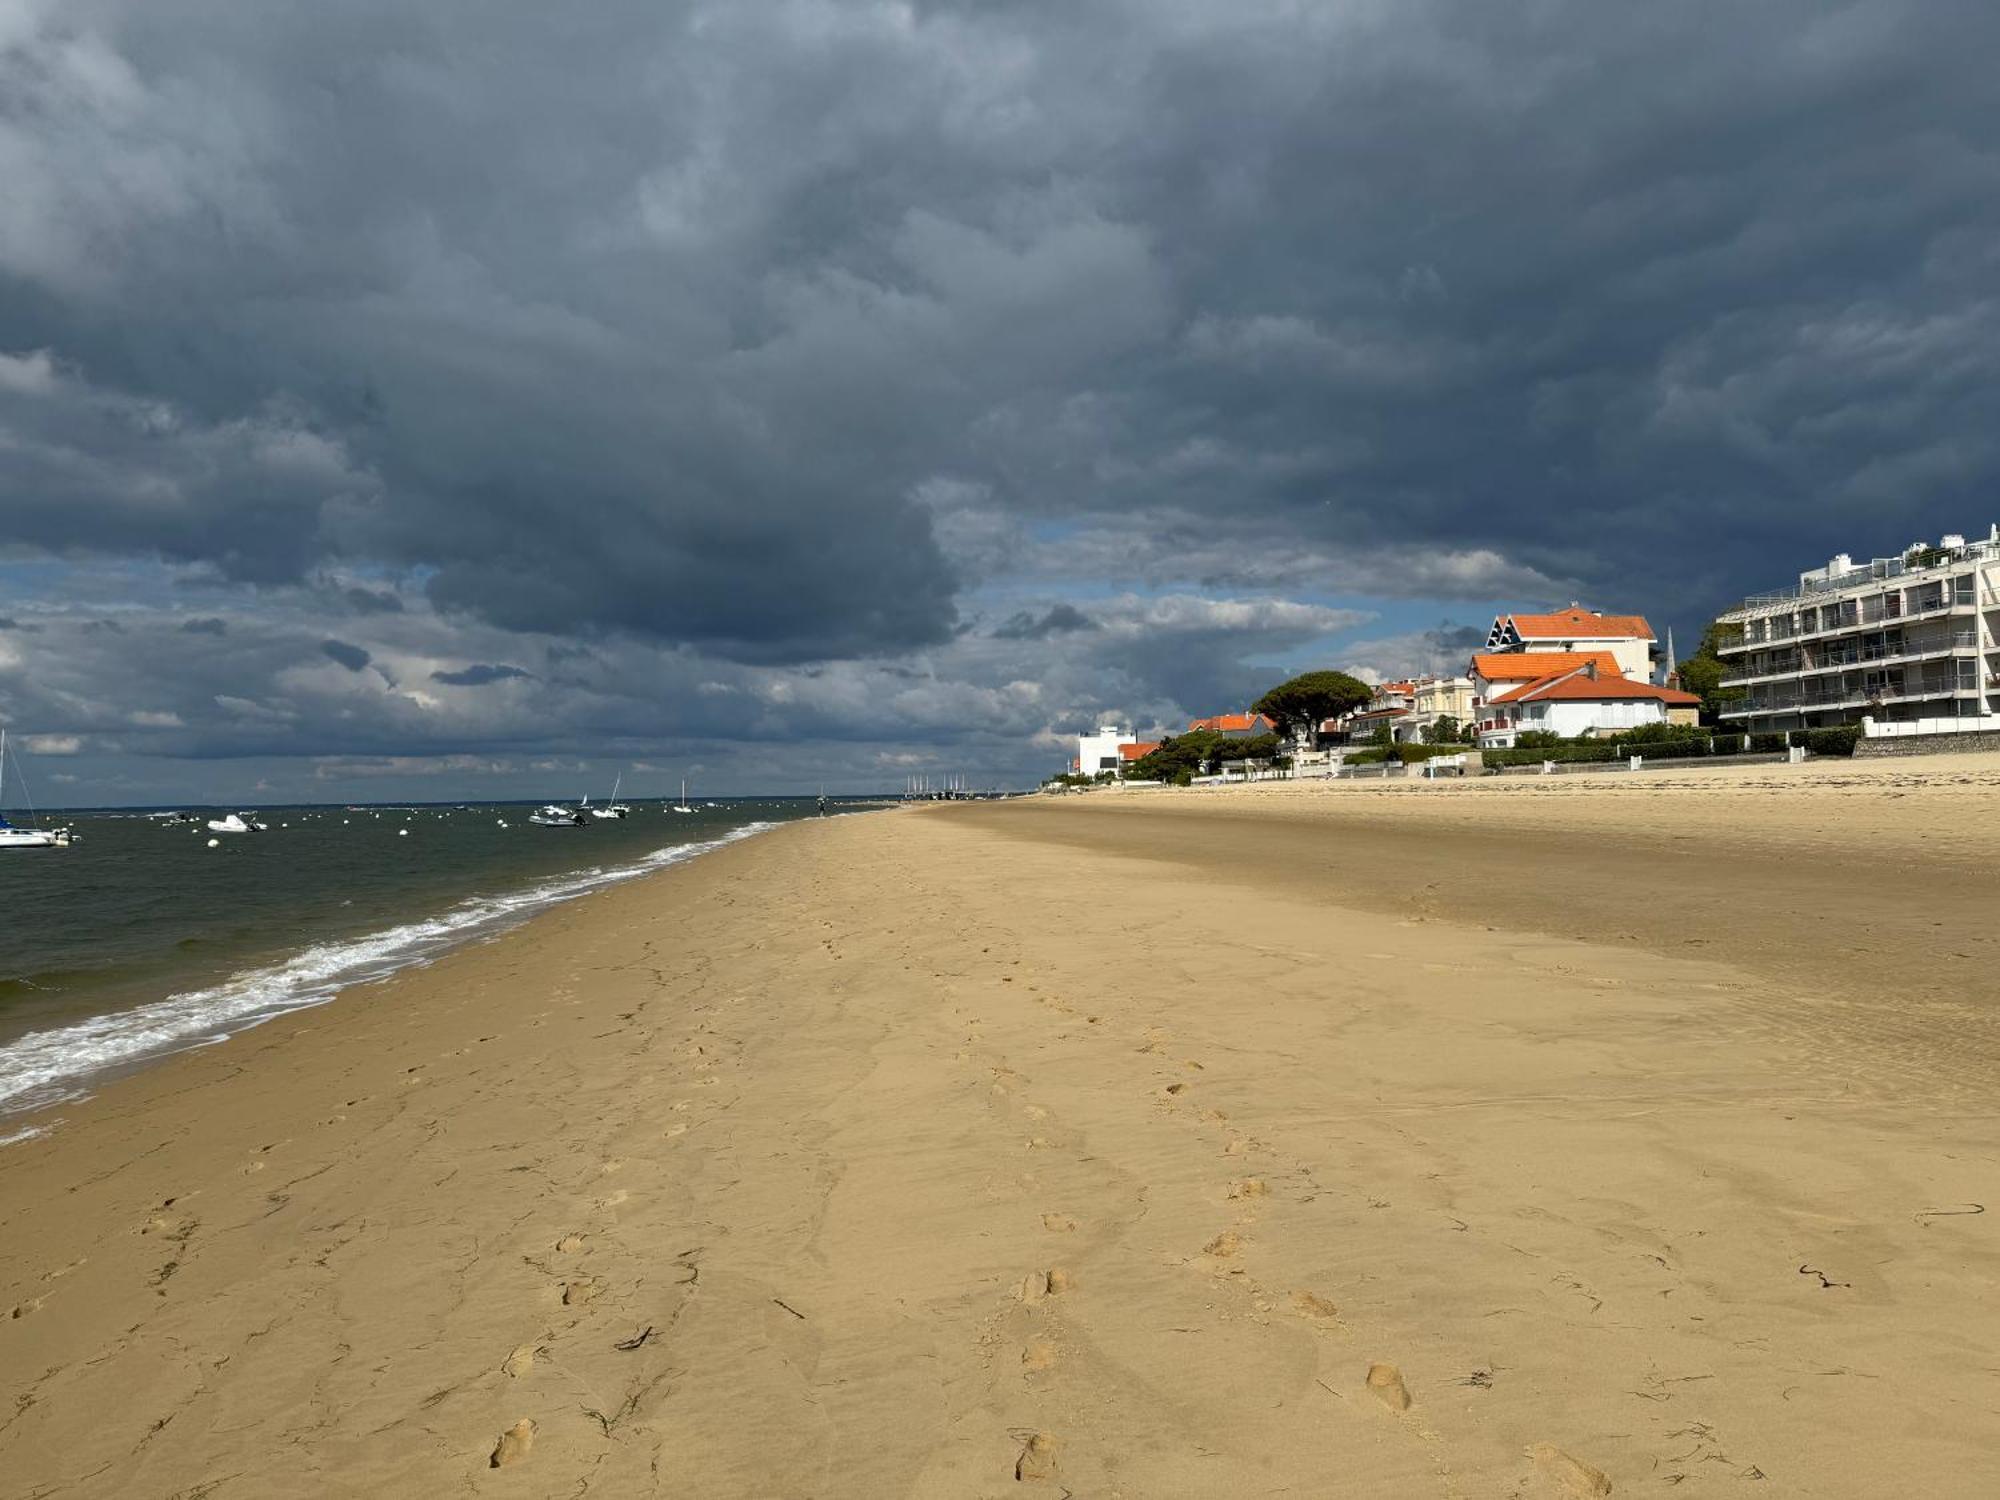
(1524,1138)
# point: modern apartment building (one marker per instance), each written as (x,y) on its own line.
(1908,642)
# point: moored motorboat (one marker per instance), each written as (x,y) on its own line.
(237,823)
(555,815)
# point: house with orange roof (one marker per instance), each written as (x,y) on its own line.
(1129,754)
(1243,726)
(1497,672)
(1590,701)
(1628,638)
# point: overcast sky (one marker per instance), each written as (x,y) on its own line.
(459,399)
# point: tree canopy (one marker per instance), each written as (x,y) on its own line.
(1311,698)
(1199,751)
(1701,673)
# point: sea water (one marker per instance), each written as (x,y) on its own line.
(141,939)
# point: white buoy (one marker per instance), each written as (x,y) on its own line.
(402,833)
(215,843)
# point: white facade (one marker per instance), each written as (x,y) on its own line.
(1899,641)
(1570,718)
(1099,751)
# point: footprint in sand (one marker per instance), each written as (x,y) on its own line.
(1037,1460)
(1224,1246)
(1312,1305)
(581,1291)
(520,1362)
(1058,1223)
(1249,1187)
(513,1446)
(22,1310)
(1039,1284)
(569,1244)
(1386,1381)
(1038,1356)
(1574,1475)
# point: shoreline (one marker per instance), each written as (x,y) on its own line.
(40,1068)
(1007,1149)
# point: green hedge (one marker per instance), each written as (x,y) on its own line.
(1839,741)
(1372,757)
(1413,754)
(1591,750)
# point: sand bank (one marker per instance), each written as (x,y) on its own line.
(1355,1141)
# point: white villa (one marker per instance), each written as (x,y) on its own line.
(1588,701)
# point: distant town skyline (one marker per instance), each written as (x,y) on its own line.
(490,401)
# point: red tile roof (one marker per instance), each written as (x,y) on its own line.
(1232,723)
(1130,753)
(1531,666)
(1581,687)
(1577,623)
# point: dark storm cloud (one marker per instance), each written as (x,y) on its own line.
(478,675)
(1581,287)
(349,656)
(207,626)
(1061,619)
(756,336)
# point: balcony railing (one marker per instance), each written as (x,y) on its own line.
(1844,697)
(1943,645)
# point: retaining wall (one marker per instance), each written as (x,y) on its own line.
(1929,744)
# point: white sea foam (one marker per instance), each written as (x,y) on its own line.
(48,1067)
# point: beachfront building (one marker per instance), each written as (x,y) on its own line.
(1588,702)
(1493,673)
(1128,755)
(1408,707)
(1100,751)
(1910,644)
(1434,698)
(1628,639)
(1243,726)
(1390,705)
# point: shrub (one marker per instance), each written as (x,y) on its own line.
(1764,744)
(1371,757)
(1839,741)
(1537,739)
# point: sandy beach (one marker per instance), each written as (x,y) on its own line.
(1531,1138)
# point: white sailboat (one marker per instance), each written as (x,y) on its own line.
(614,808)
(682,805)
(25,838)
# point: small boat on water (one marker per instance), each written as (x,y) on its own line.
(614,808)
(237,823)
(35,837)
(682,805)
(555,815)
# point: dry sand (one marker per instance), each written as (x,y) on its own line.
(1526,1138)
